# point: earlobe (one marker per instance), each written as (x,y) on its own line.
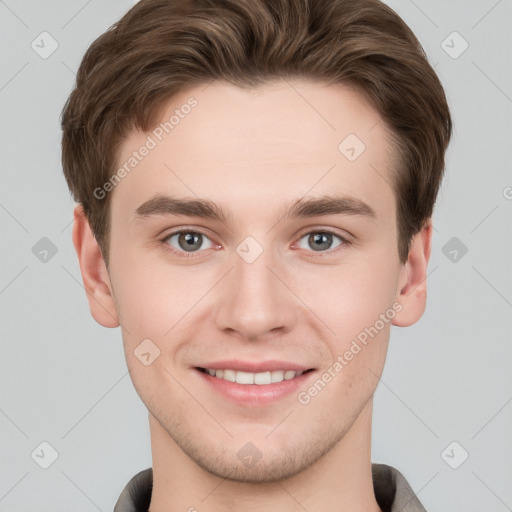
(94,273)
(412,283)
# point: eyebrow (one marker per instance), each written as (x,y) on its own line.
(161,205)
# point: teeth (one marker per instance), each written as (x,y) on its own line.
(228,375)
(244,378)
(263,378)
(254,378)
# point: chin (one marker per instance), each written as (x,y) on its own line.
(257,463)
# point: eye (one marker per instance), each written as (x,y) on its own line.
(321,241)
(186,241)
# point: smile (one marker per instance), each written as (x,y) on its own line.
(261,378)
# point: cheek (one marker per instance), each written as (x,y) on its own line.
(350,297)
(161,308)
(153,297)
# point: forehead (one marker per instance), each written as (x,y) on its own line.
(279,141)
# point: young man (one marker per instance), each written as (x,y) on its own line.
(255,181)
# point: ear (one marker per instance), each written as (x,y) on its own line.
(412,282)
(94,272)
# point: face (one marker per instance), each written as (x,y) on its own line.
(286,282)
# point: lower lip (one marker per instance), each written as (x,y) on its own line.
(255,394)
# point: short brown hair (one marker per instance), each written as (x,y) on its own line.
(159,47)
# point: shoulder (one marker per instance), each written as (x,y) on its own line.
(136,496)
(392,491)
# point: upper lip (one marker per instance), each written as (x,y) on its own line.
(254,367)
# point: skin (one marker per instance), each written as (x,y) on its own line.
(254,151)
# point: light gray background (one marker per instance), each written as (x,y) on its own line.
(64,379)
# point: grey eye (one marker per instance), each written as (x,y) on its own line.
(320,240)
(188,241)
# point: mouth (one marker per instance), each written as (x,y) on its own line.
(250,385)
(247,378)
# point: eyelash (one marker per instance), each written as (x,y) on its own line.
(344,242)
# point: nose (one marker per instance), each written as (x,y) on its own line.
(255,300)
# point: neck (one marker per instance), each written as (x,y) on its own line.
(339,480)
